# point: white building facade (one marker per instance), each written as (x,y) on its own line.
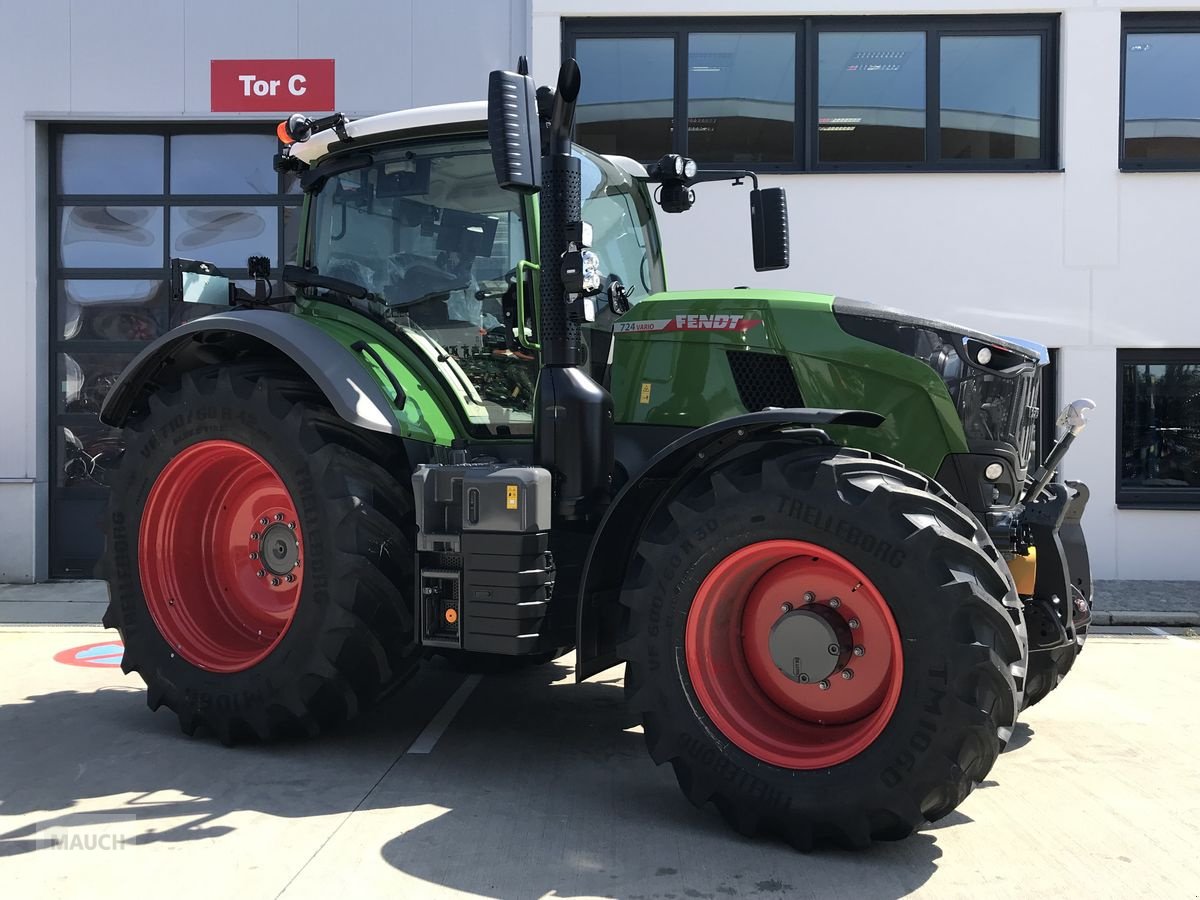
(1026,169)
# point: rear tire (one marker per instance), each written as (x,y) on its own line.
(848,775)
(243,654)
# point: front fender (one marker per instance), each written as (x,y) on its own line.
(598,615)
(341,375)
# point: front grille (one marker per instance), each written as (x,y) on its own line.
(763,379)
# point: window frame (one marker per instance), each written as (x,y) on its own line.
(67,561)
(807,30)
(1151,23)
(1148,498)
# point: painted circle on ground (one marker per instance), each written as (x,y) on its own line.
(106,655)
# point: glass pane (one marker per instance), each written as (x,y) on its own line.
(1162,96)
(429,232)
(991,97)
(626,100)
(77,538)
(223,164)
(225,235)
(111,310)
(84,379)
(291,233)
(742,97)
(111,237)
(871,94)
(87,454)
(1160,440)
(110,164)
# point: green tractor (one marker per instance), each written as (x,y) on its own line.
(479,426)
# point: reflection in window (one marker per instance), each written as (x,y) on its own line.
(991,97)
(110,310)
(86,378)
(110,164)
(741,97)
(1162,96)
(225,235)
(88,454)
(223,164)
(111,237)
(871,97)
(626,101)
(1160,434)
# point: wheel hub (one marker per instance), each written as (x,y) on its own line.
(750,646)
(219,556)
(810,644)
(279,549)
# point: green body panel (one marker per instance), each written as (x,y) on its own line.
(683,361)
(430,414)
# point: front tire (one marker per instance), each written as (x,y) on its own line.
(752,552)
(259,557)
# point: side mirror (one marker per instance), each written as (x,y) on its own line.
(514,132)
(195,281)
(769,228)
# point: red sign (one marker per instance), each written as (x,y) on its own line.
(272,85)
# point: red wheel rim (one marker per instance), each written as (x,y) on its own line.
(753,703)
(219,554)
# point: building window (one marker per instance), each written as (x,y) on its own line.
(631,111)
(741,97)
(1158,462)
(950,93)
(871,97)
(124,201)
(1160,124)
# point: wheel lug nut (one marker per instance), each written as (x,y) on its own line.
(290,578)
(860,650)
(254,535)
(787,608)
(261,572)
(278,517)
(823,685)
(274,582)
(834,602)
(292,525)
(834,650)
(263,521)
(809,596)
(847,674)
(253,555)
(853,623)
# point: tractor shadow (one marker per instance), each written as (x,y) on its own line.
(540,787)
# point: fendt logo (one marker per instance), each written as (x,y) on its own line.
(272,85)
(716,322)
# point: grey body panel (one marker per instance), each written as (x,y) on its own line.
(339,374)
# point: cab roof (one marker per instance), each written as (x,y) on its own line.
(472,114)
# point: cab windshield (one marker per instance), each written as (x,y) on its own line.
(428,232)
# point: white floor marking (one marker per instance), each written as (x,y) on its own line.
(1154,629)
(437,726)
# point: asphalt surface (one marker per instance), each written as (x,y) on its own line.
(527,785)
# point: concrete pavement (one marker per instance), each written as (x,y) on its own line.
(538,787)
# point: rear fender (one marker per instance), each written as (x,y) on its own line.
(341,375)
(598,619)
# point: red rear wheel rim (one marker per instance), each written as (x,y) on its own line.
(220,554)
(753,703)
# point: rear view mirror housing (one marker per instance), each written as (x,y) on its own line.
(514,132)
(196,281)
(769,228)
